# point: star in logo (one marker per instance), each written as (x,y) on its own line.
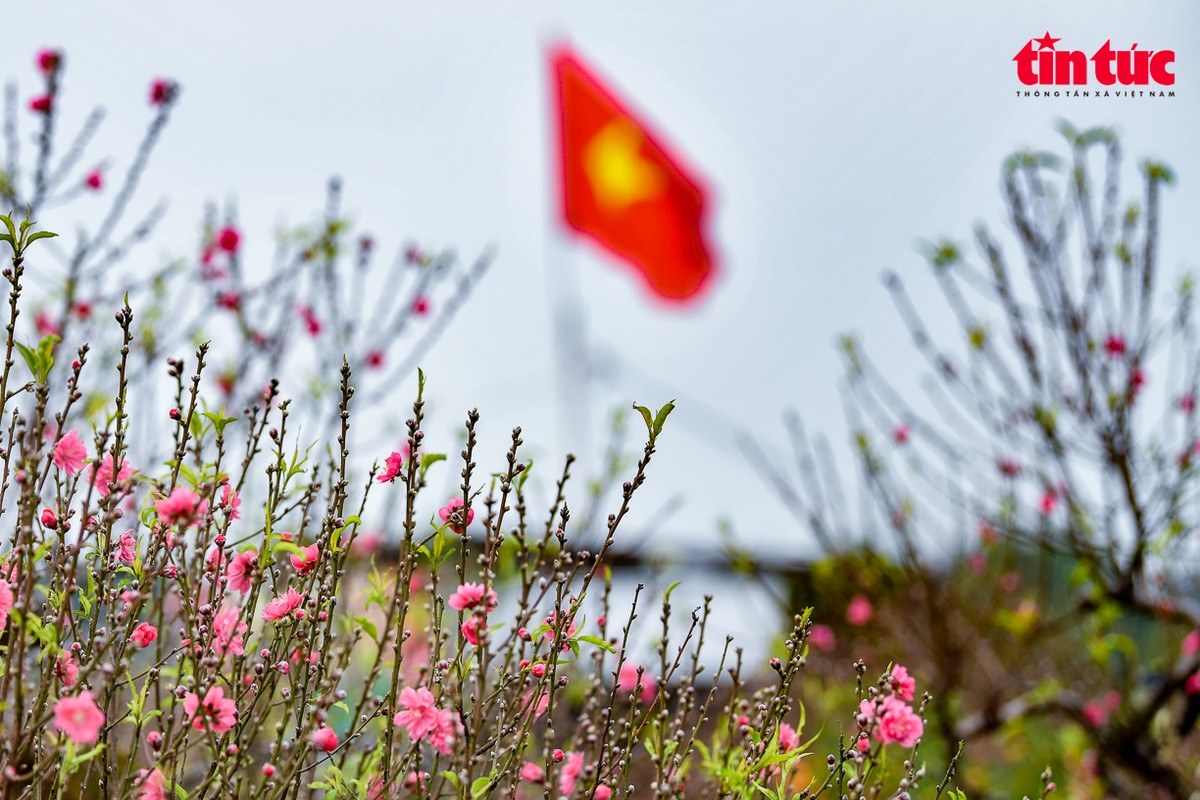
(1047,42)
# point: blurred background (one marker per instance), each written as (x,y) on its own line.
(834,138)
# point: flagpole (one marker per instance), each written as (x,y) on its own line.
(572,353)
(568,317)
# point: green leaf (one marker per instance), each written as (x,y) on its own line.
(645,412)
(45,353)
(368,626)
(452,777)
(480,785)
(667,594)
(195,426)
(524,476)
(429,459)
(219,420)
(661,417)
(30,357)
(598,642)
(287,547)
(336,534)
(76,761)
(33,237)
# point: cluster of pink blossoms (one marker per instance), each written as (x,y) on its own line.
(476,600)
(70,455)
(286,605)
(422,719)
(181,507)
(890,718)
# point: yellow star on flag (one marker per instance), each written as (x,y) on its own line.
(618,174)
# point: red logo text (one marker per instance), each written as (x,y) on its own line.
(1048,66)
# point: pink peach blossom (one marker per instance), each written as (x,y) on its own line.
(391,468)
(420,714)
(899,723)
(447,511)
(231,502)
(1049,501)
(70,453)
(127,548)
(304,564)
(228,239)
(49,60)
(366,543)
(628,678)
(182,507)
(1114,345)
(79,718)
(536,707)
(311,321)
(153,785)
(143,634)
(447,732)
(240,571)
(46,324)
(788,738)
(161,91)
(65,668)
(902,683)
(325,739)
(283,605)
(227,631)
(474,630)
(555,627)
(216,712)
(859,611)
(532,773)
(102,476)
(6,602)
(214,560)
(822,637)
(473,595)
(572,766)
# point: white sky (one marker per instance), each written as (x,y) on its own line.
(835,136)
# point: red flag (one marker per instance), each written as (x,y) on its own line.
(622,187)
